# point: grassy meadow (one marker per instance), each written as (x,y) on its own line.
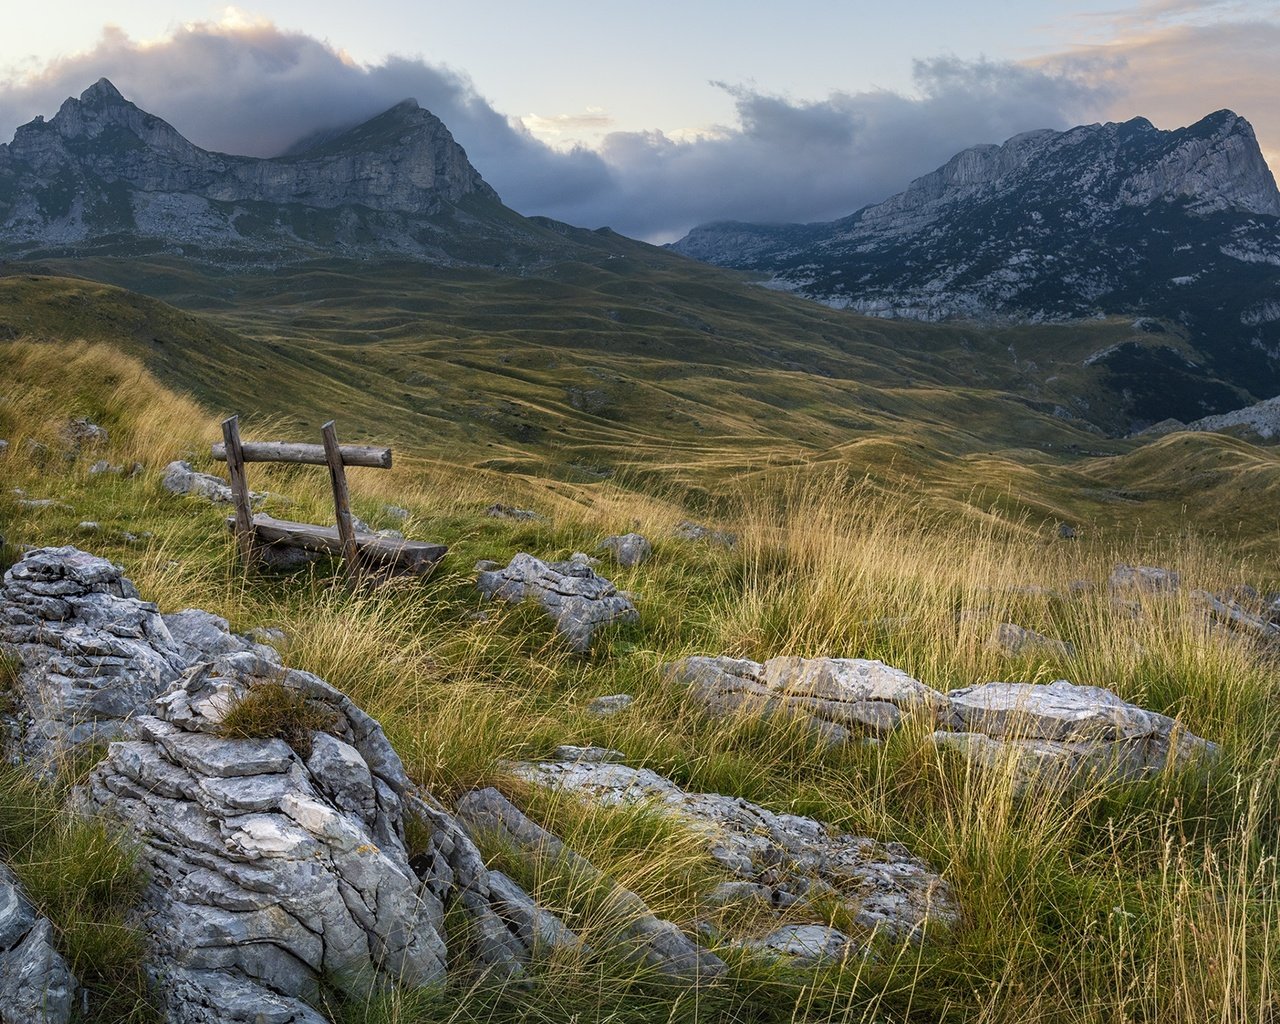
(1102,904)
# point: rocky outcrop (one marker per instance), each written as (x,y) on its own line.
(277,855)
(777,860)
(102,165)
(1150,579)
(1017,640)
(182,478)
(36,986)
(840,698)
(637,932)
(90,653)
(1063,730)
(575,597)
(627,549)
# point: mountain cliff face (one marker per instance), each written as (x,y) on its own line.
(1103,219)
(104,173)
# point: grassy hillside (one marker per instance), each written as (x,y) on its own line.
(648,370)
(1152,902)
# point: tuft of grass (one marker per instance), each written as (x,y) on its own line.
(270,709)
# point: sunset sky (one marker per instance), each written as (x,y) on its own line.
(654,117)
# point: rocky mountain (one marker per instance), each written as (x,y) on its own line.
(103,175)
(1182,226)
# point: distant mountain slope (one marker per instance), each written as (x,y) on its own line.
(1103,219)
(103,175)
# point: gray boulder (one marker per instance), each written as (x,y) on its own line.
(36,986)
(791,859)
(1061,729)
(627,549)
(839,698)
(182,478)
(637,933)
(1149,579)
(689,530)
(90,654)
(578,600)
(1017,640)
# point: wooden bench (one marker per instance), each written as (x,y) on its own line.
(356,548)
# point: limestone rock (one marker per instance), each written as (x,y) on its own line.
(569,752)
(1016,640)
(573,595)
(610,704)
(81,433)
(689,530)
(1146,578)
(182,478)
(1064,729)
(655,942)
(90,652)
(520,515)
(1230,610)
(627,549)
(839,697)
(794,859)
(36,986)
(808,942)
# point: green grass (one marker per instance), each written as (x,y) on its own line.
(1082,905)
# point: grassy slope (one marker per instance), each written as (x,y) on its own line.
(1148,903)
(633,363)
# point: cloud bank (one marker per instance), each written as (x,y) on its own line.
(255,89)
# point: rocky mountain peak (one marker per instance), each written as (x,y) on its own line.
(103,167)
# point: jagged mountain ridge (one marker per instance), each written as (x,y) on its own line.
(1119,218)
(103,174)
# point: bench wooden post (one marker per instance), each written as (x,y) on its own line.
(239,488)
(341,499)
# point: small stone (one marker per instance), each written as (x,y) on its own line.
(595,755)
(521,515)
(1015,640)
(88,526)
(83,433)
(603,707)
(395,512)
(103,466)
(628,549)
(689,530)
(1146,578)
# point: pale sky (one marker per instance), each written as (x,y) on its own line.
(688,110)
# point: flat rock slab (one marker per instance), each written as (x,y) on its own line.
(789,859)
(573,595)
(840,698)
(1047,729)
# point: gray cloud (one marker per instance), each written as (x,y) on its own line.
(256,89)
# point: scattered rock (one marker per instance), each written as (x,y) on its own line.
(838,697)
(1228,609)
(1146,578)
(395,512)
(34,503)
(521,515)
(36,986)
(689,530)
(883,887)
(81,433)
(655,942)
(1066,531)
(1015,640)
(103,466)
(568,752)
(4,446)
(628,549)
(806,942)
(90,652)
(88,526)
(269,866)
(1064,729)
(603,707)
(181,478)
(573,595)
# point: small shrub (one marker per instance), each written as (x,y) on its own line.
(272,709)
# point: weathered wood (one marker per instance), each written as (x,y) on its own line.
(403,555)
(239,488)
(341,500)
(310,454)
